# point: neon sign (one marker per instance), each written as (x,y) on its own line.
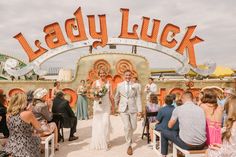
(75,32)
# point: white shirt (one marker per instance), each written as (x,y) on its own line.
(151,88)
(127,85)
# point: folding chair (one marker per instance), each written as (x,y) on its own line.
(146,124)
(59,120)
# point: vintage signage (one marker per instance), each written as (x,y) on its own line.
(75,32)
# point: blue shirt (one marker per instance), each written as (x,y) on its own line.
(164,116)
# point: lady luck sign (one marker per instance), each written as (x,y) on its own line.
(76,33)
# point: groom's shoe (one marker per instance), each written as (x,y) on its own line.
(72,138)
(130,150)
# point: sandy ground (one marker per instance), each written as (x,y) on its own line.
(81,147)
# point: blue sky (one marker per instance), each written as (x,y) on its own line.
(215,20)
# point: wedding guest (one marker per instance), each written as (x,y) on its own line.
(55,89)
(192,126)
(213,113)
(227,148)
(173,96)
(164,115)
(82,102)
(137,84)
(152,106)
(228,92)
(3,112)
(22,141)
(41,110)
(179,102)
(200,95)
(61,105)
(151,87)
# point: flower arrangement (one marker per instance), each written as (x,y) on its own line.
(100,92)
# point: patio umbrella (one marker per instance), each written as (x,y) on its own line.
(222,71)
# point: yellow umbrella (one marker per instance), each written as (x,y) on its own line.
(222,71)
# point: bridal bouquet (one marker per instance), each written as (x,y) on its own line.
(100,92)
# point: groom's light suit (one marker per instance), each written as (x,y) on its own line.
(129,103)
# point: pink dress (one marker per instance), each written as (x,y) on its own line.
(228,148)
(213,132)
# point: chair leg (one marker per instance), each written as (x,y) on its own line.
(62,133)
(174,151)
(144,129)
(148,134)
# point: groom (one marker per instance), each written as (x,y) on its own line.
(129,103)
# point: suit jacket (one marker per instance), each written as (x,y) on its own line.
(132,101)
(62,106)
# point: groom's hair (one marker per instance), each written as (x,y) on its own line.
(127,70)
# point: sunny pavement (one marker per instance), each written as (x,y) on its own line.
(80,148)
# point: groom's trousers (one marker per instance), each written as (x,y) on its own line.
(130,125)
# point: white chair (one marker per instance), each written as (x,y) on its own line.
(155,134)
(45,142)
(188,153)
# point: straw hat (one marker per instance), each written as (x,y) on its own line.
(230,91)
(40,93)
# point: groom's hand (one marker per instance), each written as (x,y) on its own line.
(139,114)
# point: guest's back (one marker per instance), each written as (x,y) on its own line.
(213,113)
(22,142)
(164,115)
(62,106)
(192,123)
(228,147)
(41,111)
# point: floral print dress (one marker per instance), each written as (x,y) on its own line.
(22,142)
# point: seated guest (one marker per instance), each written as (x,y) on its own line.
(164,115)
(228,148)
(213,113)
(61,105)
(41,110)
(3,112)
(152,106)
(192,126)
(173,96)
(179,102)
(22,141)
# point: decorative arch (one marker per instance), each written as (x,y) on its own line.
(123,65)
(10,64)
(15,91)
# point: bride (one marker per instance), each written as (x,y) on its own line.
(101,127)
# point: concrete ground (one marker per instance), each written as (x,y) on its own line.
(81,147)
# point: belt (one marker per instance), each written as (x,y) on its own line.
(196,146)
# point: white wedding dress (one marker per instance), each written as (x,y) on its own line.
(101,127)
